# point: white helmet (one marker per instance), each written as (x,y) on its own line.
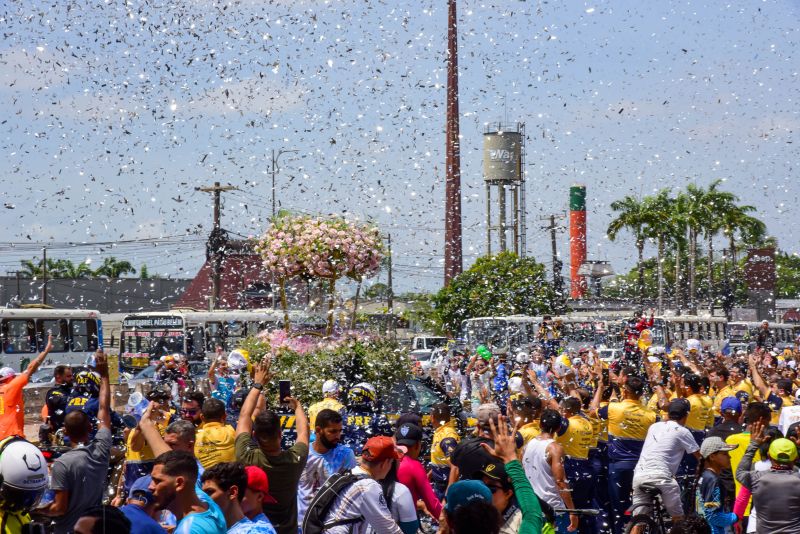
(23,472)
(523,358)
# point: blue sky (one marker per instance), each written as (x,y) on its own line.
(116,111)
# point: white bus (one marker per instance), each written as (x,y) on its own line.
(145,336)
(743,334)
(76,335)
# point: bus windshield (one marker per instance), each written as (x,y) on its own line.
(155,344)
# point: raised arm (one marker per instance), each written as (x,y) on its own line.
(104,409)
(598,394)
(301,420)
(34,365)
(758,380)
(543,393)
(150,433)
(261,376)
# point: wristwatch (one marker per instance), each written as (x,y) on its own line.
(257,386)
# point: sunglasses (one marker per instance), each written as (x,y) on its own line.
(192,411)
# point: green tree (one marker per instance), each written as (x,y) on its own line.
(633,215)
(421,312)
(144,274)
(504,284)
(114,268)
(71,270)
(787,270)
(659,225)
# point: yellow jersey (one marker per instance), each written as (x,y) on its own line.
(742,440)
(146,453)
(214,444)
(325,404)
(529,431)
(721,395)
(628,423)
(578,437)
(701,412)
(445,439)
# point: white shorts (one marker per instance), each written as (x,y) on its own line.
(645,483)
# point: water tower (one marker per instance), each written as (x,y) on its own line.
(503,164)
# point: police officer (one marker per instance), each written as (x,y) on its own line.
(56,401)
(362,418)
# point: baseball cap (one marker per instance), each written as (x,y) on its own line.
(466,491)
(140,491)
(731,404)
(714,444)
(257,481)
(678,408)
(380,448)
(496,470)
(6,373)
(330,386)
(783,451)
(487,412)
(408,434)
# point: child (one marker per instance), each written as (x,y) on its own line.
(710,493)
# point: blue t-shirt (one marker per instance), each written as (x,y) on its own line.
(209,522)
(141,523)
(501,379)
(225,387)
(245,526)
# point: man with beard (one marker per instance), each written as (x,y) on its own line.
(326,456)
(173,487)
(191,406)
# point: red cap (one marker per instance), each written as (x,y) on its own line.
(257,481)
(380,448)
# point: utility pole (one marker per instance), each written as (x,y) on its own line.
(558,281)
(453,260)
(275,170)
(44,275)
(216,241)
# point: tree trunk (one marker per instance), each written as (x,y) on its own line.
(331,304)
(678,285)
(733,255)
(692,304)
(660,273)
(284,305)
(355,307)
(711,292)
(640,282)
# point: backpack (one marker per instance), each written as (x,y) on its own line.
(314,520)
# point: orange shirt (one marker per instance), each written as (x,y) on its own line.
(12,411)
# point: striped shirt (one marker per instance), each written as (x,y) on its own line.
(363,500)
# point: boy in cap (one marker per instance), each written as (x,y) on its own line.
(411,472)
(710,495)
(776,493)
(256,494)
(141,508)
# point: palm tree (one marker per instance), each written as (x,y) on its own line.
(736,219)
(695,214)
(716,203)
(81,270)
(660,226)
(113,268)
(633,216)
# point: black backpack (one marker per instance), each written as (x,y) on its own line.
(314,520)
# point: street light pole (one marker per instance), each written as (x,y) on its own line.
(275,156)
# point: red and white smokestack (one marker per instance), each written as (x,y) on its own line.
(577,239)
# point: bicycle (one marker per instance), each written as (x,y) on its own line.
(589,512)
(652,523)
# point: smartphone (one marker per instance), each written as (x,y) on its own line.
(284,390)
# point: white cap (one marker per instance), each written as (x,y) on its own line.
(330,386)
(7,372)
(693,344)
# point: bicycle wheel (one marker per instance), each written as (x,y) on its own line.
(644,524)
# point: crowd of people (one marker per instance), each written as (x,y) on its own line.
(547,440)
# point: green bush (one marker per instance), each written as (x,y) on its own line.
(379,361)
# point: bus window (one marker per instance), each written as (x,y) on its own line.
(18,336)
(195,344)
(234,333)
(214,337)
(56,327)
(254,327)
(83,335)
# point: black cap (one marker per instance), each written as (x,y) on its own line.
(408,434)
(496,470)
(678,409)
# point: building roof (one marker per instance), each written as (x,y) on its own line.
(244,283)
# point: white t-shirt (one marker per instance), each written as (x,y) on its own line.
(363,498)
(664,447)
(319,467)
(789,415)
(402,508)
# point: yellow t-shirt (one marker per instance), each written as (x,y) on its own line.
(13,522)
(742,440)
(325,404)
(701,412)
(628,419)
(445,438)
(214,444)
(721,395)
(746,386)
(146,453)
(578,438)
(529,431)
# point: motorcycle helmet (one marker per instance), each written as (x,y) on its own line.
(88,383)
(23,475)
(362,394)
